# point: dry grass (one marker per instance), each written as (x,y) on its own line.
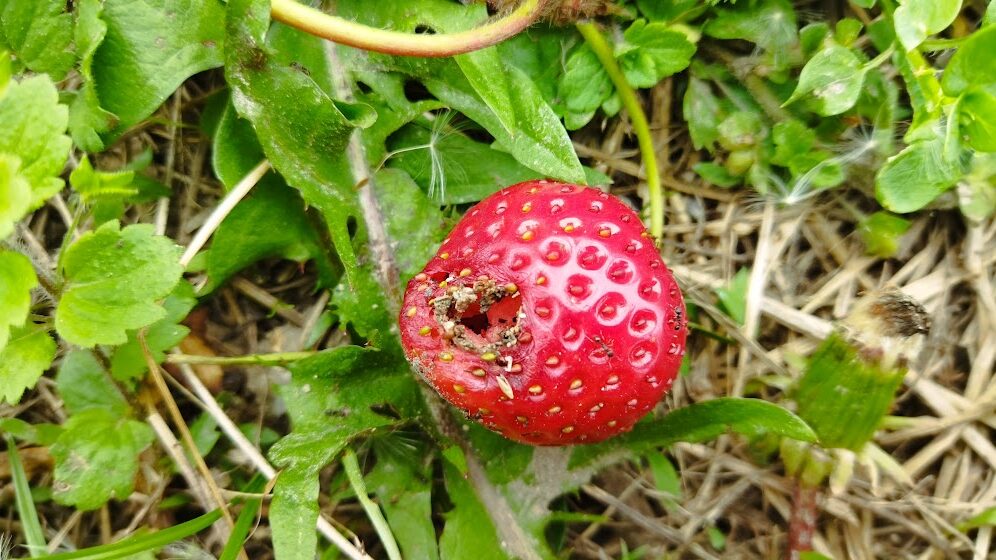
(931,471)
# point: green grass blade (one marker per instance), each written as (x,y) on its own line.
(245,522)
(25,504)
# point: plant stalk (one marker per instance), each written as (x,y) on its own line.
(350,33)
(638,120)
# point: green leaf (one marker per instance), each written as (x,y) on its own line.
(150,48)
(584,84)
(665,11)
(833,78)
(128,361)
(450,167)
(704,421)
(293,514)
(485,71)
(881,233)
(915,176)
(114,278)
(29,352)
(87,120)
(734,298)
(34,125)
(715,174)
(412,219)
(771,25)
(39,33)
(468,531)
(977,118)
(792,138)
(653,52)
(916,20)
(17,279)
(977,192)
(93,185)
(84,384)
(985,519)
(38,434)
(972,64)
(96,458)
(15,194)
(702,113)
(402,480)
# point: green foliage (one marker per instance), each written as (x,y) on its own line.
(114,278)
(28,353)
(39,34)
(881,233)
(96,457)
(17,278)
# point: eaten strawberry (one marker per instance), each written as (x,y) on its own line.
(547,315)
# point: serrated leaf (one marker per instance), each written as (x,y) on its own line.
(15,194)
(972,64)
(585,84)
(702,112)
(29,352)
(128,361)
(114,279)
(916,20)
(96,458)
(17,278)
(87,120)
(39,33)
(833,78)
(84,384)
(150,48)
(412,219)
(704,421)
(34,125)
(92,185)
(653,52)
(771,25)
(915,176)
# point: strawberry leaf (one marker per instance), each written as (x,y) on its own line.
(17,278)
(39,33)
(150,48)
(87,120)
(114,278)
(468,532)
(96,458)
(84,384)
(34,125)
(28,354)
(128,362)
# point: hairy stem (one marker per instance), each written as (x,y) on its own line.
(361,36)
(638,120)
(802,526)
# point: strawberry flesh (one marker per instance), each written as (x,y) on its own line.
(547,315)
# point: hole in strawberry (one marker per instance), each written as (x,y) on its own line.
(477,323)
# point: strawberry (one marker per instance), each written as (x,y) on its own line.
(547,315)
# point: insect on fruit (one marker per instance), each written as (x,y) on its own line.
(547,315)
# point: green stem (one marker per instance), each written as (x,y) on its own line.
(352,469)
(25,504)
(274,359)
(638,120)
(368,38)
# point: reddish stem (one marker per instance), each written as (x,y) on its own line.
(802,526)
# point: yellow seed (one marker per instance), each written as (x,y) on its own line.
(444,256)
(412,311)
(478,372)
(489,356)
(483,411)
(554,409)
(458,388)
(522,419)
(576,384)
(540,280)
(516,368)
(527,235)
(612,380)
(421,277)
(553,255)
(535,390)
(604,232)
(543,311)
(533,190)
(596,408)
(511,288)
(424,331)
(567,429)
(611,423)
(552,361)
(527,207)
(569,228)
(443,284)
(465,272)
(446,357)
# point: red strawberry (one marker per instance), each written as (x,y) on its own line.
(547,315)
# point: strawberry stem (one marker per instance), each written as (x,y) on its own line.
(345,32)
(638,120)
(802,526)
